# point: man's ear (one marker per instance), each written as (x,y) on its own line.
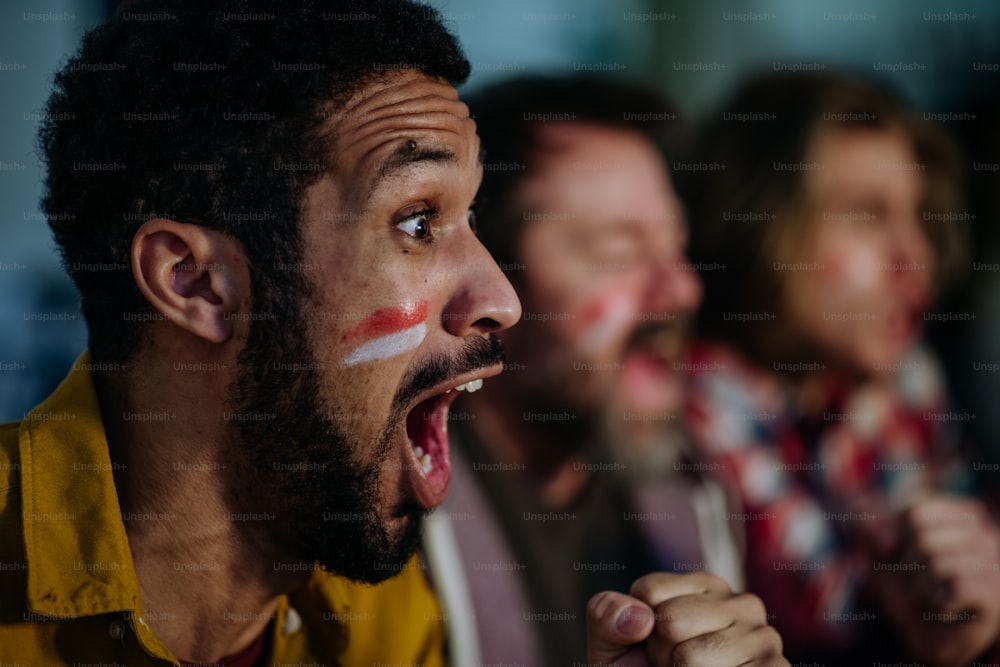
(188,273)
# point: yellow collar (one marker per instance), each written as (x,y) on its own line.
(79,562)
(74,537)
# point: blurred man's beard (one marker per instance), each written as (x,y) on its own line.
(299,470)
(555,404)
(643,423)
(590,389)
(648,444)
(547,387)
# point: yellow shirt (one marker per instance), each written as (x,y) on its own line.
(68,589)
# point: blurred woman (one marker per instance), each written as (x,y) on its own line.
(818,218)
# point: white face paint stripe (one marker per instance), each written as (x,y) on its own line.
(609,325)
(387,346)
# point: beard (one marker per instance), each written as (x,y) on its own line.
(561,376)
(301,468)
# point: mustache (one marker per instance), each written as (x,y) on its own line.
(477,353)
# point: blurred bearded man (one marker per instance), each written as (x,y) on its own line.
(569,473)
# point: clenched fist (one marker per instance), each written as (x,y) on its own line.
(681,619)
(939,580)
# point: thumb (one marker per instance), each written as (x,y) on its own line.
(616,626)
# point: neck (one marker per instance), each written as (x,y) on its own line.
(549,470)
(206,576)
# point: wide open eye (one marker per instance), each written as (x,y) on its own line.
(417,225)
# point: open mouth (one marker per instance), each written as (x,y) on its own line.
(649,381)
(427,431)
(904,324)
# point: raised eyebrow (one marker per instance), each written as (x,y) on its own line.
(406,154)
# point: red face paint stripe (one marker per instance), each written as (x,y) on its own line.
(389,320)
(592,312)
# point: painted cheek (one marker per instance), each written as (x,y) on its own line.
(387,332)
(862,270)
(850,271)
(603,319)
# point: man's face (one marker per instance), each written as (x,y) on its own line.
(402,305)
(869,265)
(605,283)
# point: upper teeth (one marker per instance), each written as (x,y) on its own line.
(470,386)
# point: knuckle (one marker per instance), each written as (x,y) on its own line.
(643,587)
(700,651)
(690,652)
(752,607)
(711,581)
(773,639)
(669,623)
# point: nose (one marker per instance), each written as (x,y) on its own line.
(674,286)
(913,254)
(911,242)
(483,300)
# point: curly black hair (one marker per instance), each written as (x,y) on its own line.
(209,112)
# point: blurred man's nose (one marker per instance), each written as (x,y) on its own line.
(913,255)
(674,286)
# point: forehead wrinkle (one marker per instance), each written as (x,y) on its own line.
(388,93)
(405,111)
(409,104)
(421,110)
(376,106)
(426,112)
(432,150)
(379,106)
(398,127)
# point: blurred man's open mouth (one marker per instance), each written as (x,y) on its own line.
(904,323)
(649,380)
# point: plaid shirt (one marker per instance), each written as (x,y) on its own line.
(808,488)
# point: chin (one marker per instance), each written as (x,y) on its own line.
(373,564)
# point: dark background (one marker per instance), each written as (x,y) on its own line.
(946,55)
